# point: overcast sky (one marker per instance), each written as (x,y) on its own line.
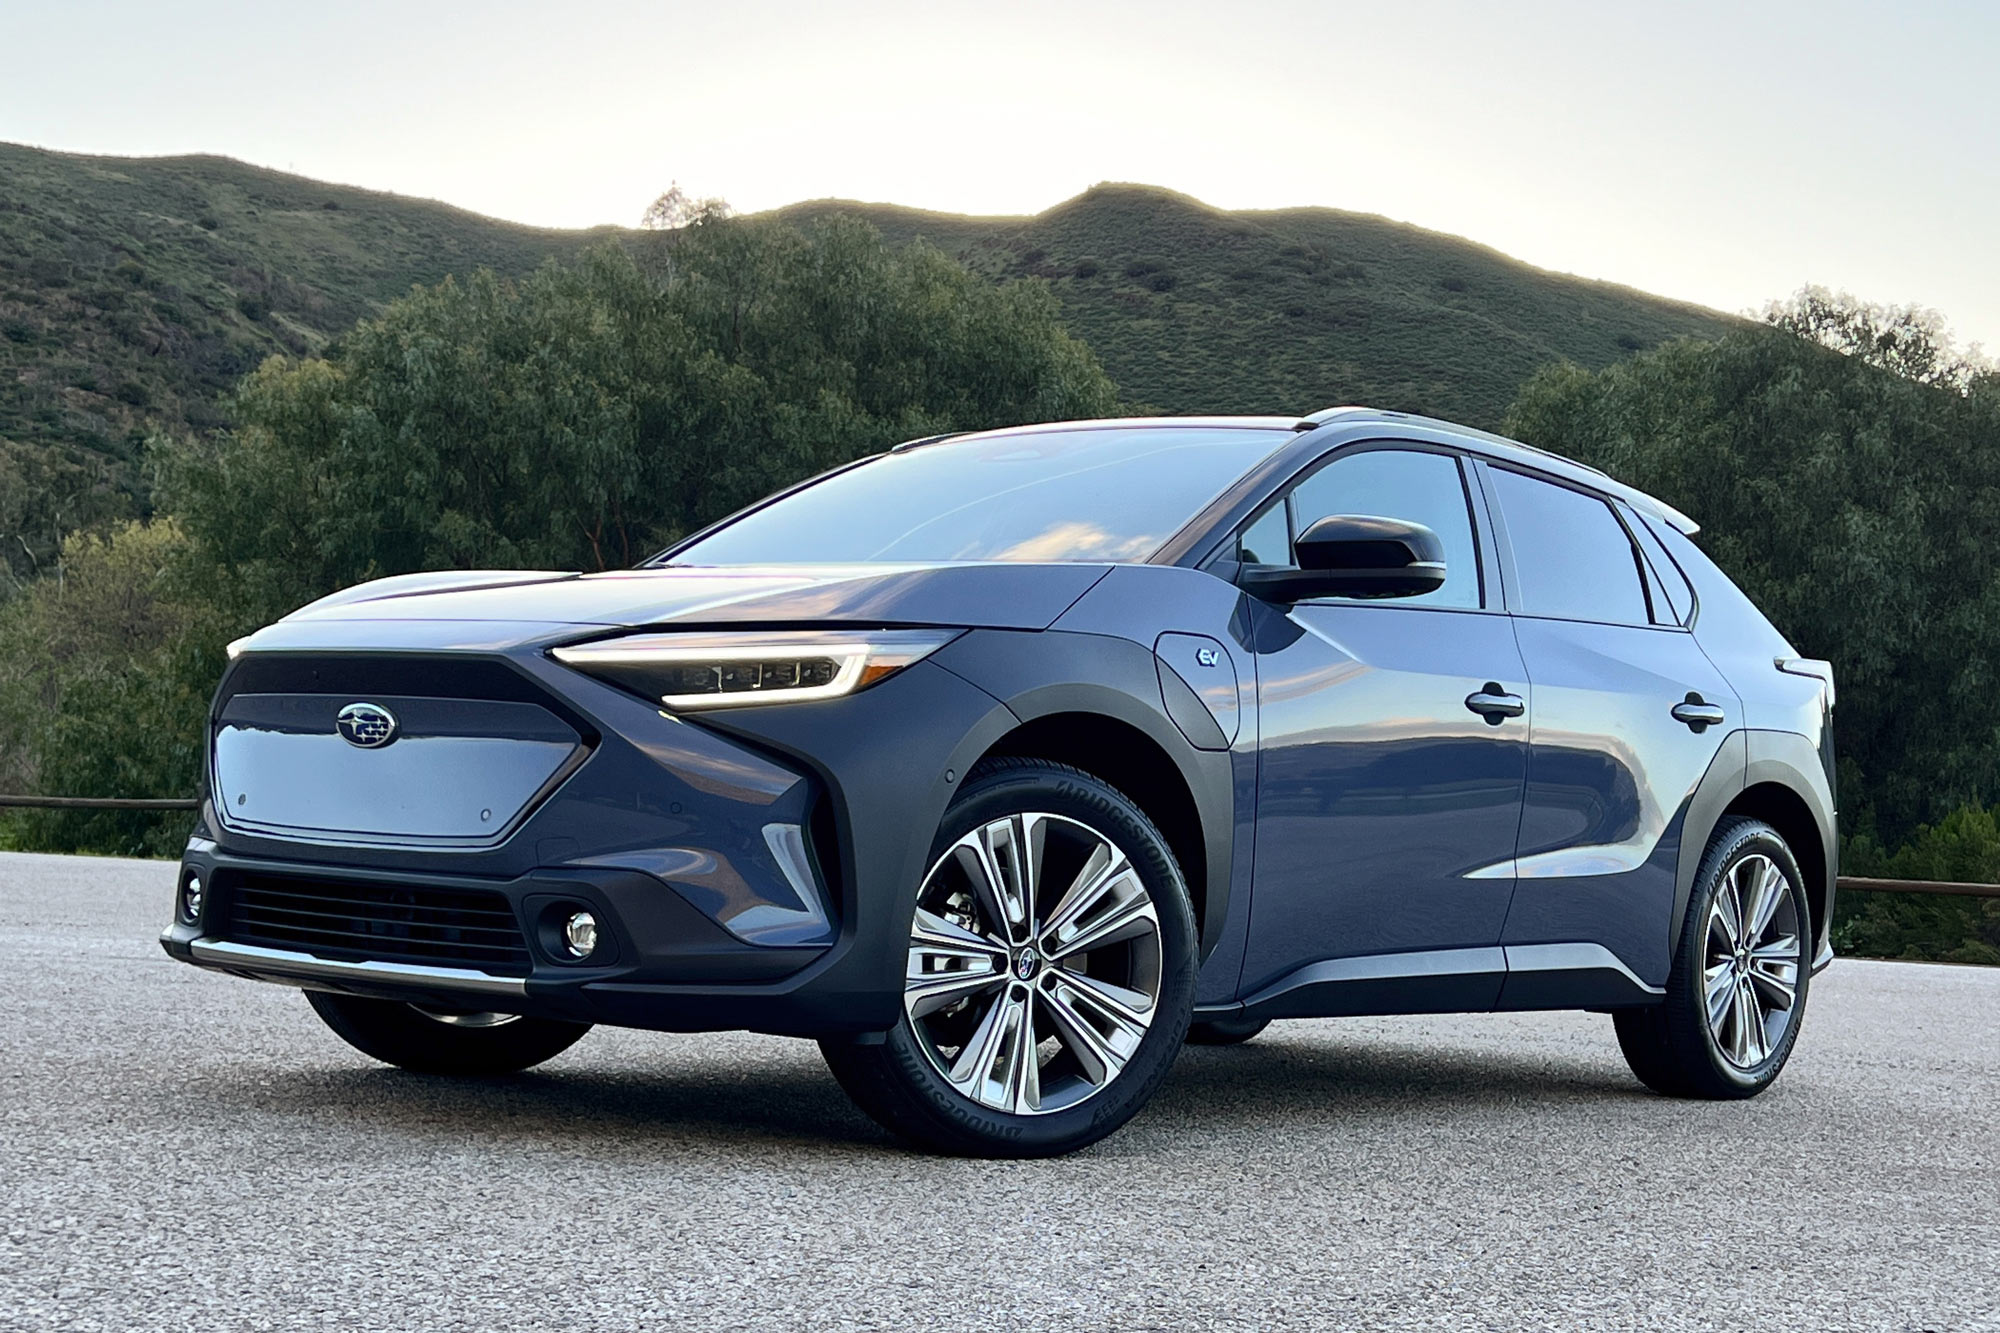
(1720,153)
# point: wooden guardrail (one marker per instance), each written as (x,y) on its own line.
(97,803)
(1861,882)
(1919,886)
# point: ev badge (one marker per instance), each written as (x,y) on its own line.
(1208,657)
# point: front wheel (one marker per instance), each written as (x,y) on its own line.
(1050,973)
(1737,991)
(443,1041)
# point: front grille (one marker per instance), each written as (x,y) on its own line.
(391,923)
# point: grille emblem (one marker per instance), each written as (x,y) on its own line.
(370,726)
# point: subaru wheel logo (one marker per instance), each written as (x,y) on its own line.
(369,726)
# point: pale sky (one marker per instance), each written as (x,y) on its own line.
(1719,153)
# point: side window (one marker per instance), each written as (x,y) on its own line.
(1400,483)
(1571,553)
(1266,541)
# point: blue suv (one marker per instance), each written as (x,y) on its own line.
(1004,763)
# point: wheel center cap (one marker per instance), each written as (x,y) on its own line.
(1026,964)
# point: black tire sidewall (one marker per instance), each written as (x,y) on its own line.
(1011,788)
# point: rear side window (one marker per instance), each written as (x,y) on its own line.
(1401,483)
(1571,554)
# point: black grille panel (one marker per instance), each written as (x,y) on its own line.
(391,923)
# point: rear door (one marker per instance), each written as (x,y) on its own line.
(1387,807)
(1629,714)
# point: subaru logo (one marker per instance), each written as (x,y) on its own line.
(370,726)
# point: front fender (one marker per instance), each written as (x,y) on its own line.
(1053,673)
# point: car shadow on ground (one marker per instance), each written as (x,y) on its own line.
(752,1103)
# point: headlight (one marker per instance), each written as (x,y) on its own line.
(693,671)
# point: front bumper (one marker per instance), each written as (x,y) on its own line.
(674,835)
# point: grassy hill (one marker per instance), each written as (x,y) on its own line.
(134,292)
(1195,309)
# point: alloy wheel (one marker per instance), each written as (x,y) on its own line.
(1035,964)
(1750,961)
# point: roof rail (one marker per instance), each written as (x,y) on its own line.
(1326,414)
(1666,511)
(908,445)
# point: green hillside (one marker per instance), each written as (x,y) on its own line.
(135,292)
(1195,309)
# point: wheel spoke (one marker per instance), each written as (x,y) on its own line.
(942,933)
(948,963)
(1749,1026)
(1095,1029)
(929,993)
(987,1070)
(1719,989)
(1026,1084)
(1771,894)
(1124,1003)
(1105,905)
(1777,980)
(1729,907)
(979,854)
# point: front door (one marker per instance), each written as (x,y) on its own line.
(1392,765)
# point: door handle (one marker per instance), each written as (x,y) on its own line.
(1494,704)
(1698,713)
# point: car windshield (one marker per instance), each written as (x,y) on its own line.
(1104,493)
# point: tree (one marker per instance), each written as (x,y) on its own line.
(105,675)
(585,416)
(1906,340)
(1856,507)
(677,209)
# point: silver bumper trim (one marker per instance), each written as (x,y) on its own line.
(285,964)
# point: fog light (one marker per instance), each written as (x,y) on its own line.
(580,935)
(191,899)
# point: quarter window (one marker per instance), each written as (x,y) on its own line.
(1675,604)
(1571,554)
(1401,483)
(1266,542)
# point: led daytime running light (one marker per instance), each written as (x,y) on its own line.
(698,671)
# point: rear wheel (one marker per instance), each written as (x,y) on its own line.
(1737,992)
(430,1040)
(1050,974)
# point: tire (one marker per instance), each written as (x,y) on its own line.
(1675,1047)
(427,1041)
(1225,1031)
(1109,907)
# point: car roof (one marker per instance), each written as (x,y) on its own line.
(1331,427)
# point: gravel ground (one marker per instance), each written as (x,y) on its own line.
(186,1150)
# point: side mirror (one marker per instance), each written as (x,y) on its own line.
(1354,555)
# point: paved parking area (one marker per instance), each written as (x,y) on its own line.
(183,1150)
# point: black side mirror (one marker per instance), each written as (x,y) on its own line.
(1354,555)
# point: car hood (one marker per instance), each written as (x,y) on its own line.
(999,596)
